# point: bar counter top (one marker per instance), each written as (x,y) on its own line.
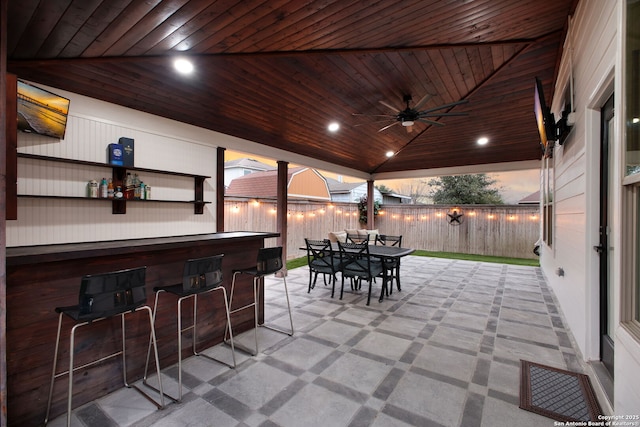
(21,255)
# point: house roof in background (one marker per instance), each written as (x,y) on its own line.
(247,163)
(336,186)
(259,184)
(531,199)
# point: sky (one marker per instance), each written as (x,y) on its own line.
(513,186)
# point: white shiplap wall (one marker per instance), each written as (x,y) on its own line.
(159,144)
(594,55)
(589,57)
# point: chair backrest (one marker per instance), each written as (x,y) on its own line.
(269,260)
(109,294)
(357,238)
(202,273)
(355,259)
(387,240)
(319,253)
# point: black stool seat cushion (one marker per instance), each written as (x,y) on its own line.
(199,275)
(269,262)
(108,294)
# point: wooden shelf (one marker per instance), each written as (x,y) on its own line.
(119,173)
(106,165)
(46,196)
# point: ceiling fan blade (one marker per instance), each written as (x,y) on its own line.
(387,127)
(440,107)
(431,122)
(391,116)
(422,101)
(436,114)
(389,106)
(375,121)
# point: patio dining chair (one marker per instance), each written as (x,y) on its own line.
(357,238)
(322,260)
(392,265)
(357,265)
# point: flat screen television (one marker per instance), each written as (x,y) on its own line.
(544,118)
(41,112)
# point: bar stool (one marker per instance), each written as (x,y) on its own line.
(269,261)
(103,296)
(200,276)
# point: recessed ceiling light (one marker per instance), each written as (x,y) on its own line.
(183,66)
(483,141)
(390,153)
(333,127)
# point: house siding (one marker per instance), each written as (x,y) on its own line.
(593,54)
(308,183)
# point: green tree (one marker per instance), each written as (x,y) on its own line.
(384,189)
(465,190)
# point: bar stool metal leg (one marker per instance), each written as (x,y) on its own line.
(195,342)
(228,329)
(254,304)
(273,328)
(181,330)
(53,370)
(73,368)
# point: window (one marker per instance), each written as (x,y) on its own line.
(630,310)
(632,98)
(636,257)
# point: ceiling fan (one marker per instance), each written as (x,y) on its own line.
(409,115)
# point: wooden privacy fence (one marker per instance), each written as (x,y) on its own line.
(496,230)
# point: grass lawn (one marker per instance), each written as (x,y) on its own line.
(302,261)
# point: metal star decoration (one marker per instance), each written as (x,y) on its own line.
(455,218)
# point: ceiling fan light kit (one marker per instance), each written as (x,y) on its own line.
(409,115)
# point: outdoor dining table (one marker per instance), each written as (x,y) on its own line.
(383,253)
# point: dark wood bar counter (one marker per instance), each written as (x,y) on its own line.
(41,278)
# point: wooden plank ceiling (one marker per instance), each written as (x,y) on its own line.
(277,72)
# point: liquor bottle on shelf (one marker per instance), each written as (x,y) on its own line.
(104,188)
(136,187)
(110,189)
(92,189)
(128,187)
